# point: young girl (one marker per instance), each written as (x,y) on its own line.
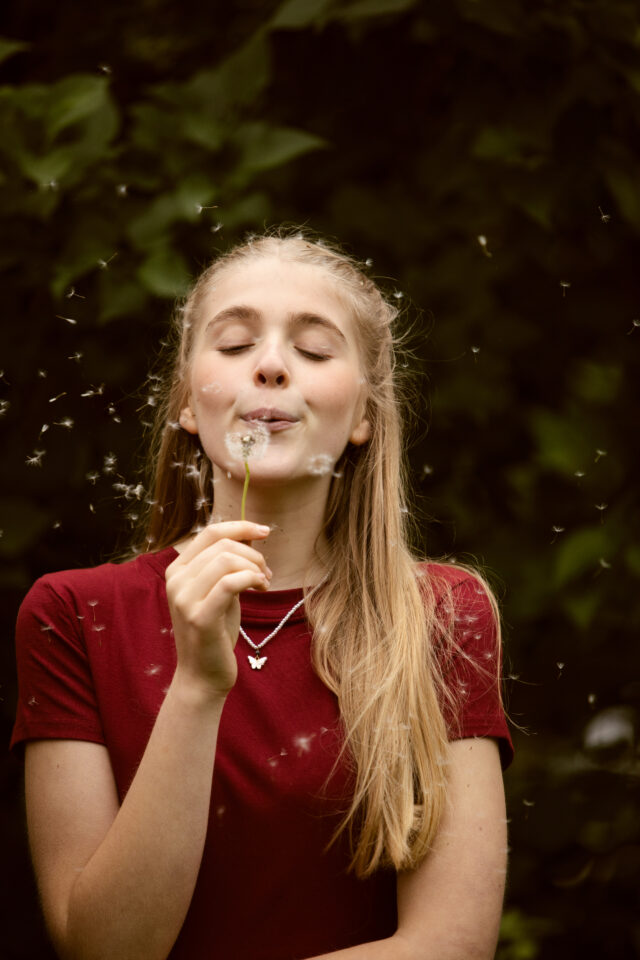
(280,737)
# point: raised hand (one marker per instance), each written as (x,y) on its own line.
(203,584)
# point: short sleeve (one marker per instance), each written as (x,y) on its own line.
(473,668)
(56,696)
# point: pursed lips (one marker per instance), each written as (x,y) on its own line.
(270,415)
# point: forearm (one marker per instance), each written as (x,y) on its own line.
(131,898)
(391,948)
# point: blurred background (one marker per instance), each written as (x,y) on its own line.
(484,156)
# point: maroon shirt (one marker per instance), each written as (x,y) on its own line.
(95,657)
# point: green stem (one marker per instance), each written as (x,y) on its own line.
(244,489)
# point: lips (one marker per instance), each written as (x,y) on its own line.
(270,415)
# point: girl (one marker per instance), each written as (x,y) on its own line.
(274,738)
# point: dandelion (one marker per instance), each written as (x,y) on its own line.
(241,446)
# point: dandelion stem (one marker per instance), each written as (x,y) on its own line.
(244,489)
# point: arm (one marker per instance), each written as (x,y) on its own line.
(449,907)
(117,881)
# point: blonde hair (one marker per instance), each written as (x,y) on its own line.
(378,630)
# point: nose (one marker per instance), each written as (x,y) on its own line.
(271,368)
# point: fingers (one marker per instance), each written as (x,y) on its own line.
(193,584)
(238,530)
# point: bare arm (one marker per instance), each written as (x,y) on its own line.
(117,881)
(449,907)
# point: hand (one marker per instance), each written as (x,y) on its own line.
(203,584)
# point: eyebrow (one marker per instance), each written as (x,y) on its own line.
(242,312)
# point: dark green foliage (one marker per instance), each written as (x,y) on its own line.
(485,154)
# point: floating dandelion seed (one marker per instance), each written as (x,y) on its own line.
(634,326)
(50,185)
(556,531)
(605,217)
(4,406)
(57,397)
(109,463)
(72,293)
(103,264)
(398,294)
(68,319)
(475,351)
(77,356)
(482,240)
(42,373)
(173,425)
(599,454)
(368,262)
(320,464)
(601,507)
(591,699)
(565,284)
(122,189)
(199,207)
(66,422)
(104,68)
(35,460)
(216,227)
(94,391)
(213,387)
(579,474)
(604,564)
(92,477)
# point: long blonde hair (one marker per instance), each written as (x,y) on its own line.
(378,629)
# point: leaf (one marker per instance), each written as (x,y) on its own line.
(165,273)
(263,147)
(75,98)
(563,445)
(581,609)
(580,551)
(185,203)
(9,47)
(294,14)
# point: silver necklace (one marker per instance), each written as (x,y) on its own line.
(258,662)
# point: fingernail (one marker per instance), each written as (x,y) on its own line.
(264,528)
(269,572)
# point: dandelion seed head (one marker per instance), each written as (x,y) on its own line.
(250,444)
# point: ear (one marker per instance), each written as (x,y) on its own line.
(361,433)
(187,420)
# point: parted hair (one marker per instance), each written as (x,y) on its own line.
(378,628)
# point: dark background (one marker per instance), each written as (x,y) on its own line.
(482,153)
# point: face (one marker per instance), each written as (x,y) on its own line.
(275,356)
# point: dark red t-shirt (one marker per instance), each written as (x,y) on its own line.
(95,657)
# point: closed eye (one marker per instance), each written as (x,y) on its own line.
(312,356)
(242,346)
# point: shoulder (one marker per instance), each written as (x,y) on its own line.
(88,584)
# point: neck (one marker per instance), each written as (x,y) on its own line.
(295,514)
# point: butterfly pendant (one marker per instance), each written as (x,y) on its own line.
(257,662)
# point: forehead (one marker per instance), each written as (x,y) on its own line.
(275,287)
